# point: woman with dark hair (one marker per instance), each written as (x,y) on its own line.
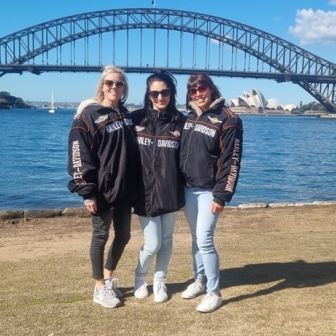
(102,152)
(211,149)
(158,128)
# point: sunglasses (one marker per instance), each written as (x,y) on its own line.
(163,93)
(118,84)
(200,89)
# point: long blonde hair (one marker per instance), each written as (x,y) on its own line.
(108,69)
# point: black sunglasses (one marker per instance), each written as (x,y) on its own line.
(163,93)
(118,84)
(200,89)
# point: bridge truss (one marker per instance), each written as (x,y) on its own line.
(144,39)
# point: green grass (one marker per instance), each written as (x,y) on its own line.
(278,277)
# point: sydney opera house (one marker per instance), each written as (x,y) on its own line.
(255,101)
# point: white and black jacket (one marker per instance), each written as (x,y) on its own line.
(161,188)
(211,150)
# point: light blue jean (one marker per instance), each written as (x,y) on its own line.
(158,241)
(202,224)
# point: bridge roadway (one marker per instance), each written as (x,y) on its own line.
(279,77)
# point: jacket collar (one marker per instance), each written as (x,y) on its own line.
(155,114)
(215,104)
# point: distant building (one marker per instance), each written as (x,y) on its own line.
(255,100)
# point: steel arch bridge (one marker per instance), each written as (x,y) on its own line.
(184,42)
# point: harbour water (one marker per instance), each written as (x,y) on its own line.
(286,159)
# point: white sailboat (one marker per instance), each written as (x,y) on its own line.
(52,105)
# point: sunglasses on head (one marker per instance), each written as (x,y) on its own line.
(163,93)
(200,89)
(118,84)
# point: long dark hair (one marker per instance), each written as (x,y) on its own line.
(202,79)
(170,81)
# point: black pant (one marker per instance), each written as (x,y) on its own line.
(121,217)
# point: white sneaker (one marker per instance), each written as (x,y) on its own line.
(210,303)
(105,297)
(160,291)
(113,284)
(140,289)
(194,289)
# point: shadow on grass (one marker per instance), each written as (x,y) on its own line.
(296,274)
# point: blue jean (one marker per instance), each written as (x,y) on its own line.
(158,241)
(202,224)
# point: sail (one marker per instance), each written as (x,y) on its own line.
(52,104)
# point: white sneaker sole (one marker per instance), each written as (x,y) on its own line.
(141,293)
(209,310)
(188,297)
(117,303)
(160,300)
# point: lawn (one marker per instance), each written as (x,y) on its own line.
(278,277)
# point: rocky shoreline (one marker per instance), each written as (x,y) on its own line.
(6,215)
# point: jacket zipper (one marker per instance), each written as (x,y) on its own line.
(189,142)
(154,150)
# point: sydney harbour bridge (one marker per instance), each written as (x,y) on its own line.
(140,40)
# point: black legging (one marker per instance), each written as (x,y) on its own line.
(121,217)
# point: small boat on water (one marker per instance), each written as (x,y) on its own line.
(52,105)
(327,116)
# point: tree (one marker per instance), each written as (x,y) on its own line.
(7,101)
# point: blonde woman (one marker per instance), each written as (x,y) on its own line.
(102,165)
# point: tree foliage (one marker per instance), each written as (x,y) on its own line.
(8,101)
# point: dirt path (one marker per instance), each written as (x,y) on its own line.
(61,235)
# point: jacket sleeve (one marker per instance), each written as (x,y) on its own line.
(82,163)
(231,145)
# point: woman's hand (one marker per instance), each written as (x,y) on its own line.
(215,207)
(91,205)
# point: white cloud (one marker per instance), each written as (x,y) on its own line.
(315,26)
(332,2)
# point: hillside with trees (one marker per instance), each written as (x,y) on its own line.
(7,101)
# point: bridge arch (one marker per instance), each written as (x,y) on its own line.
(28,49)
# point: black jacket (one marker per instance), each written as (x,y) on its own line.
(211,150)
(159,136)
(102,156)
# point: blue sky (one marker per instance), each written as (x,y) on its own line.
(310,24)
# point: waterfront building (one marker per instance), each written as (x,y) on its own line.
(255,101)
